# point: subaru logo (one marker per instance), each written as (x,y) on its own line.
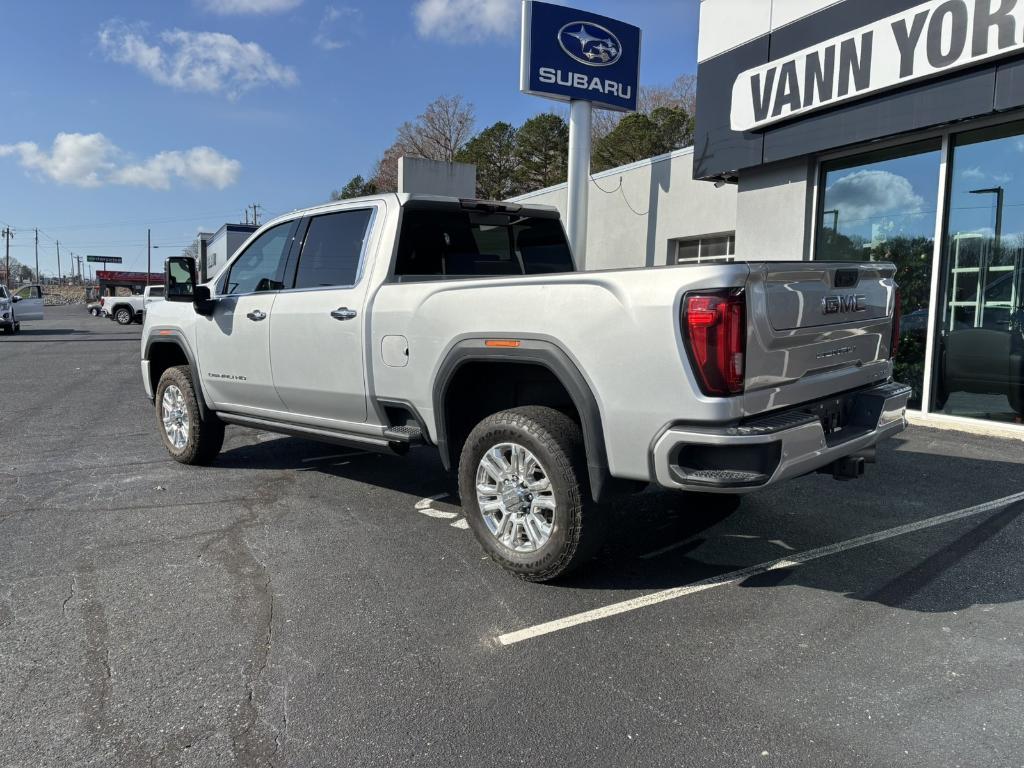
(590,44)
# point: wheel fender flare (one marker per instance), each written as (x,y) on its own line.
(177,338)
(529,352)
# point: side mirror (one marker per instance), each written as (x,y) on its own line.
(15,299)
(180,279)
(203,301)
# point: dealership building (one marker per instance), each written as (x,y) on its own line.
(859,130)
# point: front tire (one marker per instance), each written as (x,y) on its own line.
(522,480)
(187,436)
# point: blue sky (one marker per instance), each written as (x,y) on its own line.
(176,115)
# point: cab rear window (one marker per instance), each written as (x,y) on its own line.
(463,244)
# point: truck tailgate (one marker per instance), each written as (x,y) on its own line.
(816,329)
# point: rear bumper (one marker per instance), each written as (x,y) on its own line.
(761,452)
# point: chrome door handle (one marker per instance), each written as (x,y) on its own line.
(343,313)
(257,315)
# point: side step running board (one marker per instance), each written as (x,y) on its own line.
(347,439)
(408,435)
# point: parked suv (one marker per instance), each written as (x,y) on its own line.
(24,304)
(397,320)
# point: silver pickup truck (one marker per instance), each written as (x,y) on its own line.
(396,320)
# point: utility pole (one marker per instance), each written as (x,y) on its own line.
(255,214)
(7,271)
(58,263)
(39,279)
(149,253)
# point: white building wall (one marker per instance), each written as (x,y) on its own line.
(636,212)
(773,212)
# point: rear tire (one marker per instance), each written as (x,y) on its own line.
(533,519)
(187,436)
(123,315)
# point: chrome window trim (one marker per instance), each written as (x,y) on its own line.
(360,267)
(373,207)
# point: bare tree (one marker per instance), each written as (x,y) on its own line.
(385,173)
(441,131)
(681,93)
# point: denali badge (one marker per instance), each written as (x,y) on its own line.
(834,305)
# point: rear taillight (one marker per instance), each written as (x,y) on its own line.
(102,301)
(715,328)
(897,314)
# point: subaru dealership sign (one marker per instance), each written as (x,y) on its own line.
(575,55)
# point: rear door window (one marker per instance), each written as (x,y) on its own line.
(332,249)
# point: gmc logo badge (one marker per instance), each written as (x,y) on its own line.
(836,305)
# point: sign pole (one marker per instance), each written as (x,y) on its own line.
(580,118)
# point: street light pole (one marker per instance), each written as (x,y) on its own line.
(983,263)
(149,254)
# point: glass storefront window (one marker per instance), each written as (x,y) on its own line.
(882,206)
(979,370)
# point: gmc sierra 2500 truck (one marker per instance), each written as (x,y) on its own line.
(398,320)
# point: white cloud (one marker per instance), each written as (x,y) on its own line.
(200,166)
(467,21)
(230,7)
(867,195)
(209,62)
(92,160)
(326,36)
(76,158)
(976,174)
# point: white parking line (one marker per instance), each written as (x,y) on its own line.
(428,502)
(438,514)
(462,525)
(729,578)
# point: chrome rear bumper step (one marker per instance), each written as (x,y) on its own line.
(740,458)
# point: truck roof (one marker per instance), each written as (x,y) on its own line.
(404,198)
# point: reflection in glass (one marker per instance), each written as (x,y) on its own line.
(881,206)
(979,370)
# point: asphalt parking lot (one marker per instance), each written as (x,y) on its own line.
(301,605)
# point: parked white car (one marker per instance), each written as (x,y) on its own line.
(130,309)
(24,304)
(124,309)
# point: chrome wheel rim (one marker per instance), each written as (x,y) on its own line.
(175,417)
(515,497)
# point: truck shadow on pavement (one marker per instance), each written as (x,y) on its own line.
(661,539)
